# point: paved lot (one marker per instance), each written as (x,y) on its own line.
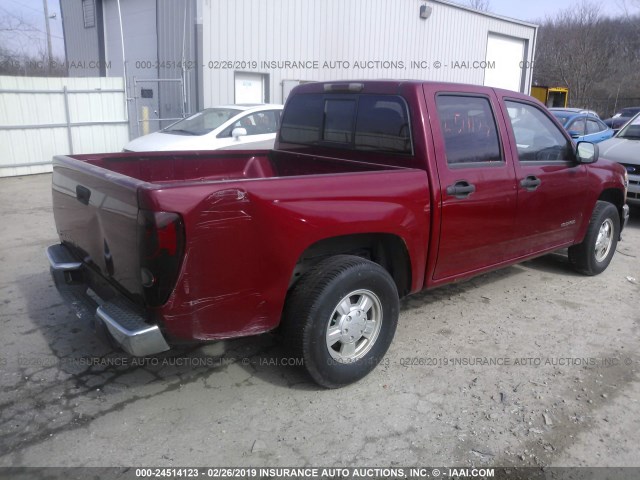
(531,365)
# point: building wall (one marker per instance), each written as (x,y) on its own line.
(177,45)
(154,34)
(82,44)
(159,38)
(239,35)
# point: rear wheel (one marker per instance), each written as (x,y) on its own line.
(594,254)
(340,319)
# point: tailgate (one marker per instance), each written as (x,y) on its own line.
(96,215)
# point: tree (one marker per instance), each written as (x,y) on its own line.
(482,5)
(17,56)
(575,50)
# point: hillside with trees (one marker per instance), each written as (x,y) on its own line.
(595,56)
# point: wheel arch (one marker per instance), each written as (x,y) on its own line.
(614,196)
(387,250)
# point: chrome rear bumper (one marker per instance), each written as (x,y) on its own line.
(125,325)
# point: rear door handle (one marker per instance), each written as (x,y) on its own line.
(531,183)
(83,194)
(461,189)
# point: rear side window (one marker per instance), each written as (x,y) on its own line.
(593,126)
(469,129)
(359,122)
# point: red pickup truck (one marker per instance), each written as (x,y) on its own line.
(374,190)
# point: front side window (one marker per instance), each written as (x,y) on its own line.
(469,129)
(537,137)
(259,123)
(577,127)
(358,122)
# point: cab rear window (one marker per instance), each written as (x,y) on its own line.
(359,122)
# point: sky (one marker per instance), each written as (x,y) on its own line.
(32,12)
(539,9)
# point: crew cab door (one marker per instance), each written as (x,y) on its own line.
(550,181)
(477,180)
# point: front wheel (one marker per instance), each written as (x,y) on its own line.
(340,319)
(594,254)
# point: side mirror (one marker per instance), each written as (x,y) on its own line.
(573,134)
(239,132)
(587,152)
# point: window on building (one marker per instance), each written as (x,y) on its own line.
(89,13)
(469,129)
(537,137)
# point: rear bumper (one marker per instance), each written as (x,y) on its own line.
(117,316)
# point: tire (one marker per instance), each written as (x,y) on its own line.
(594,254)
(340,319)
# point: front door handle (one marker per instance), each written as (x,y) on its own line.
(461,189)
(531,183)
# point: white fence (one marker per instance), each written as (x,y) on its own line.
(42,117)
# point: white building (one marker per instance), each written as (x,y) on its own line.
(256,51)
(253,51)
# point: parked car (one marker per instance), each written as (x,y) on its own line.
(624,148)
(574,110)
(225,127)
(620,118)
(582,126)
(374,190)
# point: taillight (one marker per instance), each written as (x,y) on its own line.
(161,247)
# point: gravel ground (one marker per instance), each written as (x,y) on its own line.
(532,365)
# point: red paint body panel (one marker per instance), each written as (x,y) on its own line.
(249,216)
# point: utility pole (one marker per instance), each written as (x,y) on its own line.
(46,23)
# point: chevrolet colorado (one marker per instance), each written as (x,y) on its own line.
(374,190)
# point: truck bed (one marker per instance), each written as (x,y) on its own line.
(227,202)
(163,167)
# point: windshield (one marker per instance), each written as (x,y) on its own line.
(563,116)
(202,122)
(629,112)
(631,130)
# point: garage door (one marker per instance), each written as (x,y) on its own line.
(250,88)
(505,54)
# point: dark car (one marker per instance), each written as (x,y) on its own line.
(619,119)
